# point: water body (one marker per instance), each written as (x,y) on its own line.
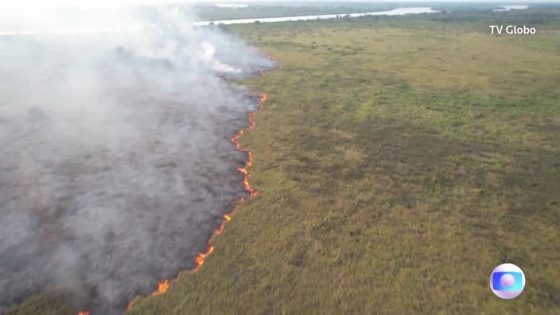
(231,5)
(398,11)
(511,7)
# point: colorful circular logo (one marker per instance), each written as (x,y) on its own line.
(507,281)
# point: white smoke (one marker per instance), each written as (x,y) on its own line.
(114,136)
(209,58)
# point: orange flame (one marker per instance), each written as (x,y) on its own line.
(219,229)
(199,259)
(83,313)
(162,287)
(249,162)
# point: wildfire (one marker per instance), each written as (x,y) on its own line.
(84,313)
(220,227)
(249,162)
(199,259)
(162,286)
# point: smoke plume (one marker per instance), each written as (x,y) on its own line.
(116,163)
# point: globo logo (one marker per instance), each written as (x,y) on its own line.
(507,281)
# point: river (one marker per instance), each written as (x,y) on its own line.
(398,11)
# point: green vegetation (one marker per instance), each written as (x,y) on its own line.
(397,160)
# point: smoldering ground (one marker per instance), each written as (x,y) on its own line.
(116,162)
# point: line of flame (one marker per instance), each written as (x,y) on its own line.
(199,259)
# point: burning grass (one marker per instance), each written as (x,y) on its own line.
(199,259)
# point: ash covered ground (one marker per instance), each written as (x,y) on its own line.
(116,161)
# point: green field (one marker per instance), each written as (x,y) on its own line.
(398,161)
